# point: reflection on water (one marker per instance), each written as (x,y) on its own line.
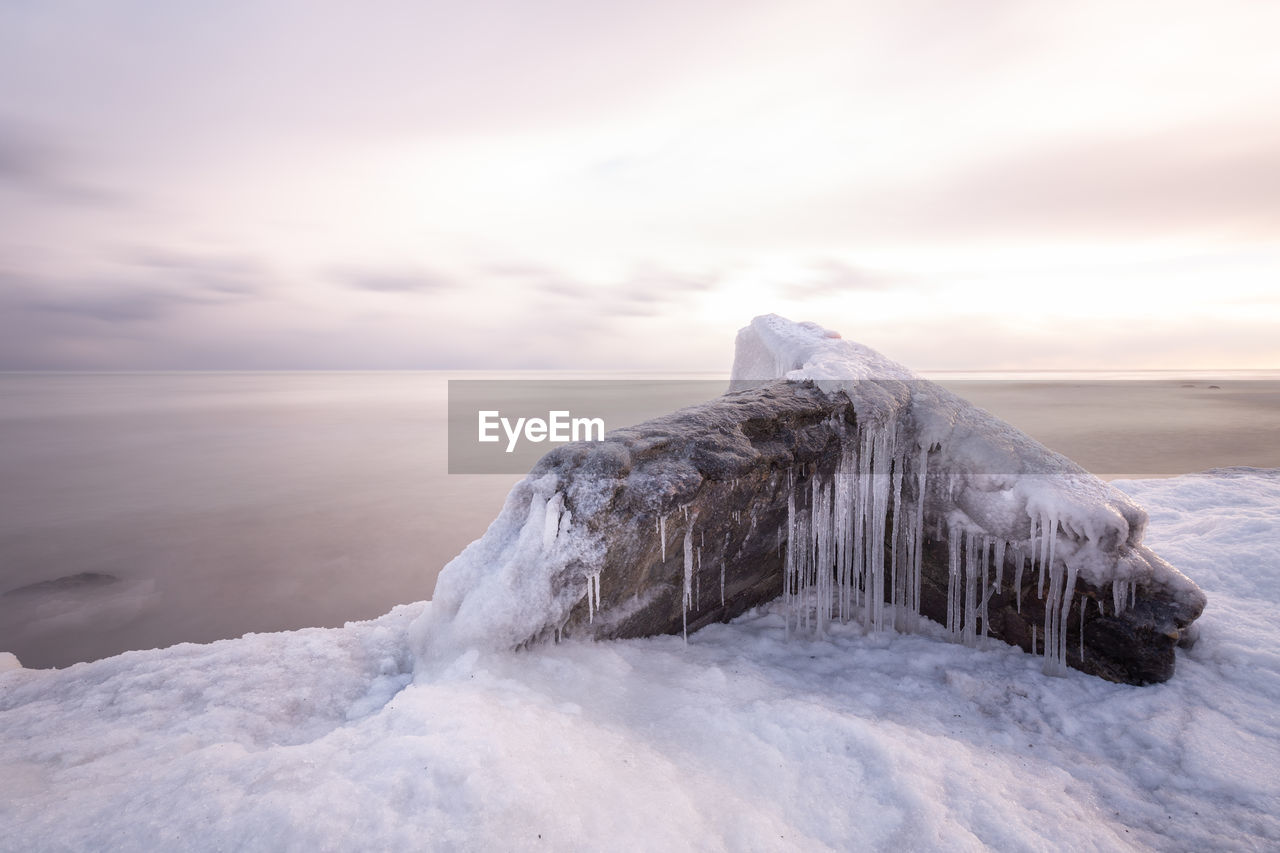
(141,510)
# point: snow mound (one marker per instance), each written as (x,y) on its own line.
(321,739)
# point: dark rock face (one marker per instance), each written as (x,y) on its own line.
(709,488)
(66,583)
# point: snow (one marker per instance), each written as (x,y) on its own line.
(740,739)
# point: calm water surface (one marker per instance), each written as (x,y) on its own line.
(142,510)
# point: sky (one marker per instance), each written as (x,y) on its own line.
(594,185)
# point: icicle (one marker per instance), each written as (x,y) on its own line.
(895,586)
(1038,559)
(789,566)
(822,542)
(1050,617)
(1048,544)
(593,595)
(697,578)
(987,545)
(1057,606)
(1051,526)
(688,577)
(917,565)
(1017,576)
(879,451)
(1084,602)
(954,540)
(861,589)
(1032,546)
(844,520)
(662,535)
(999,561)
(1067,597)
(970,588)
(551,521)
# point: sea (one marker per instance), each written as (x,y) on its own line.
(140,510)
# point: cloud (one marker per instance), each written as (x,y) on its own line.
(114,301)
(392,281)
(40,166)
(217,273)
(831,277)
(1215,180)
(119,306)
(645,291)
(152,286)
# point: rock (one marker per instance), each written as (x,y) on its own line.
(66,583)
(877,500)
(741,457)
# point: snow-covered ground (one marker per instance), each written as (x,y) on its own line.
(325,739)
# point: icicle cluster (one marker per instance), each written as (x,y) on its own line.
(835,564)
(854,541)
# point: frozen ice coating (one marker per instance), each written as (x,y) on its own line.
(840,481)
(498,593)
(1002,490)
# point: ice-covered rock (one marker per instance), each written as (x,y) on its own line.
(838,482)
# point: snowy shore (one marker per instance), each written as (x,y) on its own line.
(322,739)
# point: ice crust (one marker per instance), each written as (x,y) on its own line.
(918,455)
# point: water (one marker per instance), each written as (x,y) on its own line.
(210,505)
(142,510)
(1140,425)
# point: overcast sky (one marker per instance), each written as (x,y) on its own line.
(597,184)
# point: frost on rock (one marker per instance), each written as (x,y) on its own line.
(843,485)
(509,586)
(995,491)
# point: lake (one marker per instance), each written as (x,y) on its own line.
(145,509)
